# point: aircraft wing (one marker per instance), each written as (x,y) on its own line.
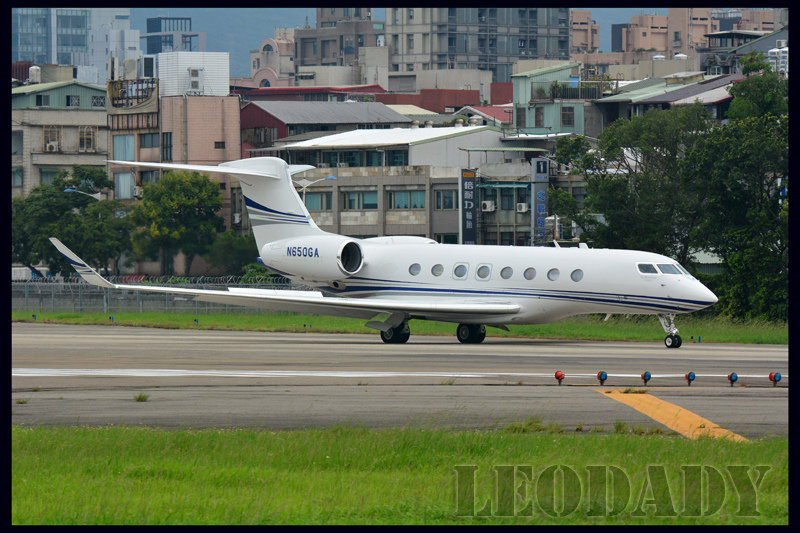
(312,302)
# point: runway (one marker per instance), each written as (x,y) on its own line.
(89,375)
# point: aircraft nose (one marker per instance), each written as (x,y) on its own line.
(707,296)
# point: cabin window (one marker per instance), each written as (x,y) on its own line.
(507,272)
(529,273)
(414,269)
(576,275)
(437,270)
(460,271)
(647,268)
(484,271)
(553,274)
(669,269)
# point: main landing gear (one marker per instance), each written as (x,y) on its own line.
(673,340)
(396,335)
(471,333)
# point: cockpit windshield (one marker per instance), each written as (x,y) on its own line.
(669,269)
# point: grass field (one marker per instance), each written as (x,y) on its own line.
(591,327)
(350,475)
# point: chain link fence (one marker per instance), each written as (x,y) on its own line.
(75,295)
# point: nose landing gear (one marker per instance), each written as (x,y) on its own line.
(673,340)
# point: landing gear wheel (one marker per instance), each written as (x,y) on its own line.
(396,335)
(471,333)
(678,340)
(672,341)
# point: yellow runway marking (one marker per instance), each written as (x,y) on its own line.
(676,418)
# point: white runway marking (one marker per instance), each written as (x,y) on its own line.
(159,372)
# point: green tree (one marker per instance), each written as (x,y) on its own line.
(762,92)
(93,229)
(232,253)
(646,200)
(177,214)
(745,166)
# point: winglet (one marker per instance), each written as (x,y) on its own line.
(80,266)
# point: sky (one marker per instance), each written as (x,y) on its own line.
(239,30)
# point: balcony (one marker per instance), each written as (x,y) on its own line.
(578,90)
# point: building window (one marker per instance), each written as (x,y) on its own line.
(396,158)
(42,100)
(98,102)
(507,199)
(87,138)
(123,148)
(360,201)
(445,200)
(410,42)
(538,116)
(73,100)
(521,117)
(219,144)
(445,238)
(52,138)
(123,185)
(48,174)
(16,177)
(166,146)
(148,140)
(568,116)
(319,201)
(149,176)
(406,199)
(410,14)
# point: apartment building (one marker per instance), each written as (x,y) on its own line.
(483,38)
(53,127)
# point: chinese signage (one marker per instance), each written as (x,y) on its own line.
(540,180)
(468,207)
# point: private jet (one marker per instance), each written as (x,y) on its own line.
(388,281)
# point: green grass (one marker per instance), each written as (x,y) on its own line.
(592,327)
(351,475)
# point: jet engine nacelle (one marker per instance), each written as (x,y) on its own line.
(315,258)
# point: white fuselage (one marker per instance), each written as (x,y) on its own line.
(563,282)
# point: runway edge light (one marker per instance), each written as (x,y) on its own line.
(774,377)
(559,376)
(689,378)
(646,377)
(602,377)
(732,377)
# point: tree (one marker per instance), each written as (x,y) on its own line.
(746,168)
(645,198)
(93,229)
(177,214)
(762,92)
(232,253)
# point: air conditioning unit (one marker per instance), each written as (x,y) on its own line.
(195,85)
(780,43)
(343,165)
(52,147)
(522,208)
(194,72)
(323,165)
(487,206)
(137,192)
(237,218)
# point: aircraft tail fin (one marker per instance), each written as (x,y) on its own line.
(275,210)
